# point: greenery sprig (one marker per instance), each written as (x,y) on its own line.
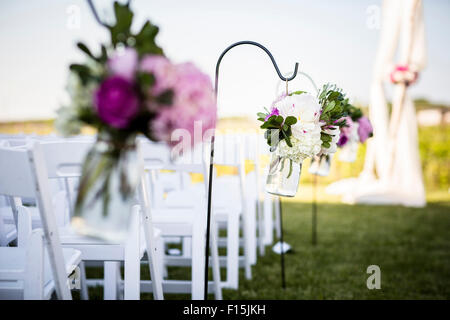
(278,129)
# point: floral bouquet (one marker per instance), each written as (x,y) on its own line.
(357,129)
(300,126)
(129,88)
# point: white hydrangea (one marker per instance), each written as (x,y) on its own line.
(334,132)
(305,137)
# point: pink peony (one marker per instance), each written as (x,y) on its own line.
(163,71)
(123,63)
(116,102)
(365,129)
(193,101)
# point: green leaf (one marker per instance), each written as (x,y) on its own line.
(104,55)
(261,115)
(146,80)
(325,137)
(297,92)
(145,40)
(86,50)
(166,97)
(268,125)
(288,140)
(329,107)
(279,120)
(82,71)
(120,32)
(290,120)
(326,144)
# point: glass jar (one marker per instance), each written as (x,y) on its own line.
(106,190)
(320,165)
(283,177)
(349,152)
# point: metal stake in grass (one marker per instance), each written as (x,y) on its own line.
(283,276)
(314,211)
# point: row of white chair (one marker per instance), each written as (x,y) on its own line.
(167,209)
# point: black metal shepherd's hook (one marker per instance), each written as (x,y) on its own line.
(211,163)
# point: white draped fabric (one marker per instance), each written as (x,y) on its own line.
(393,151)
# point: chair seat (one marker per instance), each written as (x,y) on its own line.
(97,249)
(15,259)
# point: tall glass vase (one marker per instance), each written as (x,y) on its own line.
(320,165)
(106,190)
(284,176)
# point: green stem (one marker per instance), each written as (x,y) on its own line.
(290,168)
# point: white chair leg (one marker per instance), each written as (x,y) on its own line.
(251,231)
(186,247)
(34,280)
(232,280)
(132,264)
(215,262)
(198,260)
(160,256)
(261,229)
(84,293)
(112,274)
(246,224)
(268,219)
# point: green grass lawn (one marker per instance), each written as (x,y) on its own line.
(411,247)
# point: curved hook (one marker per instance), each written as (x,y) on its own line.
(259,46)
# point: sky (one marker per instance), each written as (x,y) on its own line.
(332,41)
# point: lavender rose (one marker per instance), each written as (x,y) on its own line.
(365,129)
(116,102)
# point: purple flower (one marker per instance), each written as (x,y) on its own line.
(346,131)
(123,63)
(273,112)
(116,102)
(342,140)
(365,129)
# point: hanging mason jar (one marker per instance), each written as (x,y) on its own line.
(283,177)
(349,152)
(106,190)
(320,165)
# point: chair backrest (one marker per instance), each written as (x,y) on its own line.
(158,156)
(228,150)
(64,158)
(24,174)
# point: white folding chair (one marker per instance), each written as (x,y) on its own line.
(228,151)
(64,160)
(23,175)
(229,206)
(182,219)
